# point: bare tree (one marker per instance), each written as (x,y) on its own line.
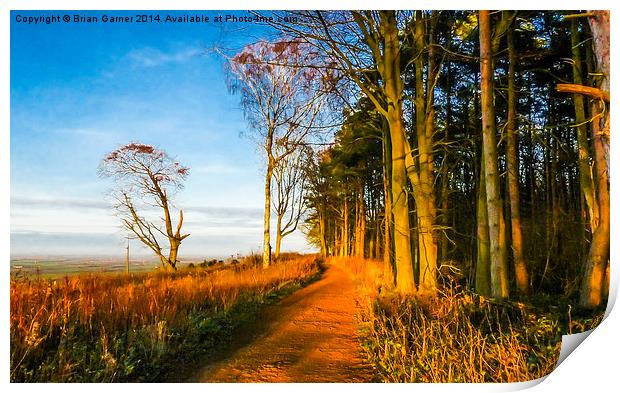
(146,178)
(282,101)
(290,178)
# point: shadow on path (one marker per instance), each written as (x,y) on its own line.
(309,336)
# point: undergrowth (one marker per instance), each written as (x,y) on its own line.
(143,327)
(458,336)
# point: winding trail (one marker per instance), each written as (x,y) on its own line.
(309,336)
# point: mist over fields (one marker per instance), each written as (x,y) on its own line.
(87,228)
(39,244)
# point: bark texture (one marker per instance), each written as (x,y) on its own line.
(499,268)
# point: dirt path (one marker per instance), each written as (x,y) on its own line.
(308,337)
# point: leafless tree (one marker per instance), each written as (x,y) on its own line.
(290,178)
(283,100)
(146,178)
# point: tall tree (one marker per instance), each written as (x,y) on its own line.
(282,102)
(423,180)
(499,268)
(290,180)
(585,174)
(592,287)
(483,257)
(600,27)
(388,229)
(521,273)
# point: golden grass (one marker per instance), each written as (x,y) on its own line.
(111,313)
(457,336)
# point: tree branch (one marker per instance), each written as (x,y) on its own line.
(584,90)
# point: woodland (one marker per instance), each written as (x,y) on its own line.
(475,143)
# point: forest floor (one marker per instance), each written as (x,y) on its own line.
(309,336)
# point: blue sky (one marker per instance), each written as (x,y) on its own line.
(78,91)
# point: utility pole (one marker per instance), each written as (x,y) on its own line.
(127,257)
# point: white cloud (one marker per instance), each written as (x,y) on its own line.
(150,57)
(54,202)
(88,132)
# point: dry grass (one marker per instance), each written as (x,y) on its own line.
(458,336)
(368,275)
(115,327)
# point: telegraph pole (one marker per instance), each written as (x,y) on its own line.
(127,257)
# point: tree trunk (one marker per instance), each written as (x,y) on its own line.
(423,190)
(592,287)
(345,228)
(445,180)
(360,241)
(499,271)
(427,246)
(356,245)
(521,273)
(322,234)
(172,256)
(599,25)
(337,240)
(585,175)
(594,278)
(444,212)
(405,282)
(278,237)
(387,192)
(483,261)
(267,217)
(377,240)
(170,262)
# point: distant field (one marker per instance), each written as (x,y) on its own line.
(50,268)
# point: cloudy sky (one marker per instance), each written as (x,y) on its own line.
(78,91)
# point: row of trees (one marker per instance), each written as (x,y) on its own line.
(456,145)
(459,111)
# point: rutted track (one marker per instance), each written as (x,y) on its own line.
(308,337)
